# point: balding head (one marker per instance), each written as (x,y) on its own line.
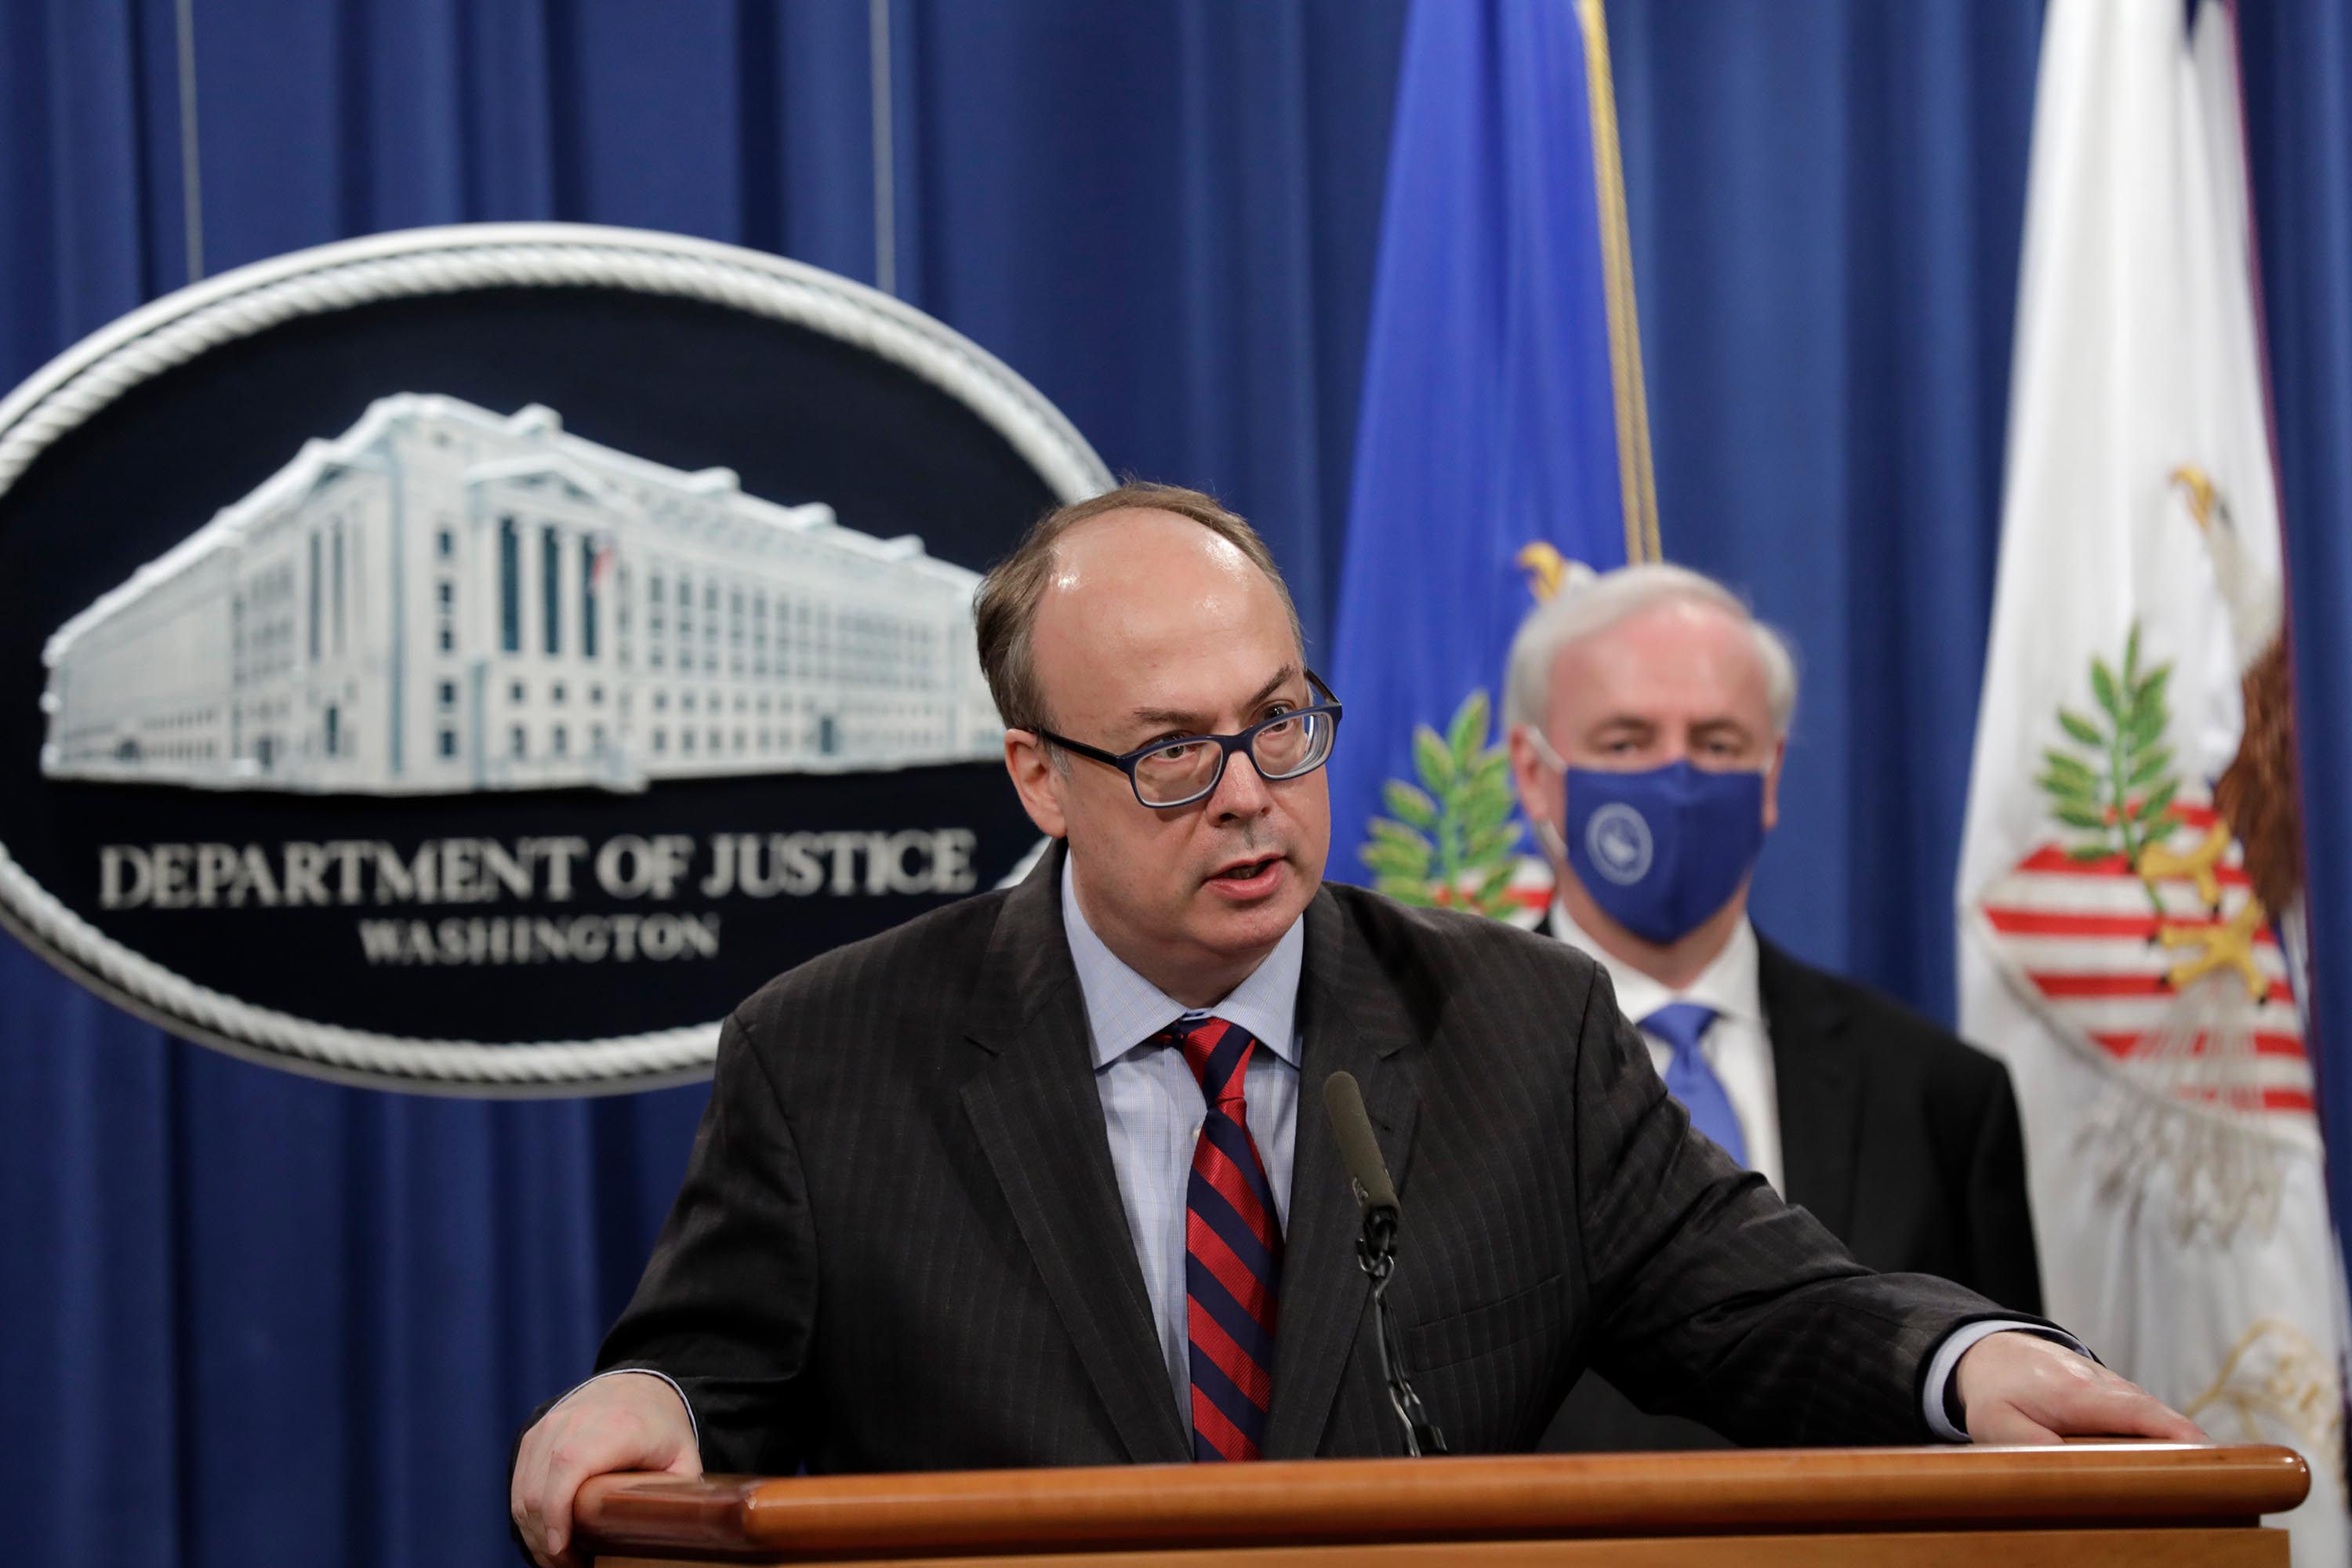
(1126,592)
(1006,610)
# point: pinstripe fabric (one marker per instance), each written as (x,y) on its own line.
(900,1243)
(1739,1047)
(1901,1138)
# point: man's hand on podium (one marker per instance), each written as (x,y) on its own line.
(615,1422)
(2022,1388)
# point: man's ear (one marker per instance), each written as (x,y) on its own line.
(1772,784)
(1037,780)
(1532,776)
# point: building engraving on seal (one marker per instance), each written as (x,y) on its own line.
(443,600)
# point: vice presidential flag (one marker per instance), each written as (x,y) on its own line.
(1502,433)
(2130,886)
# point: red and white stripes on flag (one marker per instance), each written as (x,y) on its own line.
(2089,944)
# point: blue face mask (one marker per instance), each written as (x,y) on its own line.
(1662,850)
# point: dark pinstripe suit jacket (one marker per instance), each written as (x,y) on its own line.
(1900,1138)
(901,1245)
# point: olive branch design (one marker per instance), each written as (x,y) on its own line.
(2116,791)
(1449,840)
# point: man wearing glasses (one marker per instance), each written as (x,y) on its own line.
(1045,1177)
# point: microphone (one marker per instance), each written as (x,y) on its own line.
(1376,1200)
(1358,1149)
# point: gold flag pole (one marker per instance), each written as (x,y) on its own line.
(1636,481)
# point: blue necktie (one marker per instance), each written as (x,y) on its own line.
(1682,1024)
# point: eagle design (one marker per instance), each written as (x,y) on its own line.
(2256,794)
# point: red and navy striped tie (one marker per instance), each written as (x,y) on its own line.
(1233,1252)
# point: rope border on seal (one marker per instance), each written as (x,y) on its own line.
(181,327)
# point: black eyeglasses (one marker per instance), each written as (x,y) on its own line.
(1169,774)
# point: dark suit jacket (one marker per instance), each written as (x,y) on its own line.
(900,1245)
(1897,1135)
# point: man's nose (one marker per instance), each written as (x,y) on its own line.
(1241,791)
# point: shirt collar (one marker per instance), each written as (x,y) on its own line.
(1124,1009)
(1729,985)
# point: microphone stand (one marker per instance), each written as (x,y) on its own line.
(1375,1252)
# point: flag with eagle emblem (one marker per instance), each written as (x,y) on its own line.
(2130,885)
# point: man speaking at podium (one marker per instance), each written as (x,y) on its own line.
(1046,1177)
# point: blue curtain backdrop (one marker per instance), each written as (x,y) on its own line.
(251,1317)
(1827,203)
(2297,67)
(257,1319)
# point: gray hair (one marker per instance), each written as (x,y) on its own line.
(1586,604)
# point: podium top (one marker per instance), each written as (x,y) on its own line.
(1340,1501)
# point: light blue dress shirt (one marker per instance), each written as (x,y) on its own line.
(1153,1104)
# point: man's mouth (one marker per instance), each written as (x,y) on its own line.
(1247,870)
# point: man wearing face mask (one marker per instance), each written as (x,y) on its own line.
(1649,718)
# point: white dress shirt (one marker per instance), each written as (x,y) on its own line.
(1737,1045)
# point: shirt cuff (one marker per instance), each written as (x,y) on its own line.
(1946,1361)
(692,1425)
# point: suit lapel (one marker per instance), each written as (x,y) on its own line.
(1817,1073)
(1324,1293)
(1040,1121)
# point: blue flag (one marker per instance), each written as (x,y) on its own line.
(1491,446)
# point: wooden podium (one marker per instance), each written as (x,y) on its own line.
(2083,1504)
